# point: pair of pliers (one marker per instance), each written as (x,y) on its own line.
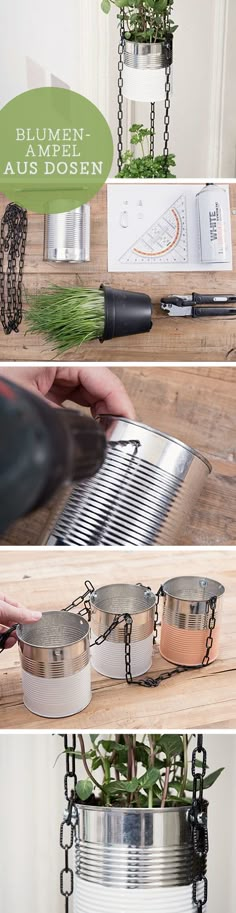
(198,305)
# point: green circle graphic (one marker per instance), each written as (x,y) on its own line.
(56,150)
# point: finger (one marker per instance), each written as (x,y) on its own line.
(5,598)
(10,642)
(104,392)
(10,614)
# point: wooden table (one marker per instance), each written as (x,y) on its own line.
(197,405)
(196,699)
(170,339)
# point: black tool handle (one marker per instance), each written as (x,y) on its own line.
(213,312)
(212,299)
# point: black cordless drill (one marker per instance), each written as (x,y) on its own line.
(41,447)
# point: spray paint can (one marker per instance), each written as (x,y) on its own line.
(214,224)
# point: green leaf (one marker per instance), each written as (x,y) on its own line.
(211,778)
(149,778)
(171,745)
(106,6)
(122,786)
(84,789)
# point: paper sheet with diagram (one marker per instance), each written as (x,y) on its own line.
(155,227)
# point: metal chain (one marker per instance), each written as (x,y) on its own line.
(118,620)
(152,129)
(70,821)
(82,600)
(198,820)
(164,676)
(159,593)
(167,47)
(120,98)
(13,235)
(211,628)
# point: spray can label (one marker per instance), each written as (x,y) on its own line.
(214,224)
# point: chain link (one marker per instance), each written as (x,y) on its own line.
(212,624)
(13,236)
(152,129)
(198,821)
(167,49)
(120,97)
(82,600)
(70,821)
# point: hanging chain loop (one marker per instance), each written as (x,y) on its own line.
(82,600)
(164,676)
(70,821)
(13,236)
(198,821)
(120,97)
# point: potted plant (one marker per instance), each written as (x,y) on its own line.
(135,848)
(148,37)
(67,317)
(144,166)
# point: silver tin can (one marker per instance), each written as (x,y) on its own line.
(140,496)
(55,662)
(185,619)
(107,602)
(67,236)
(135,859)
(144,71)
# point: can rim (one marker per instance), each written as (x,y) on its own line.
(188,577)
(55,645)
(132,811)
(168,437)
(109,611)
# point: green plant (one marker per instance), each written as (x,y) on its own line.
(67,316)
(151,771)
(145,20)
(144,166)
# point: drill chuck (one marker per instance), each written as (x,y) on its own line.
(41,447)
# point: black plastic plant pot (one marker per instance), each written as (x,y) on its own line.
(126,313)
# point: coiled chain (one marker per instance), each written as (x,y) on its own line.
(13,235)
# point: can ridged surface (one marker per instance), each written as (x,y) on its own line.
(55,660)
(144,74)
(57,698)
(185,619)
(134,859)
(114,600)
(100,899)
(67,235)
(109,658)
(137,498)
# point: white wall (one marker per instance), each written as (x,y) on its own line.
(75,44)
(68,40)
(32,805)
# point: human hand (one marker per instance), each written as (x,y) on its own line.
(13,613)
(98,388)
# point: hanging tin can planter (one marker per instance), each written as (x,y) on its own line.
(191,620)
(67,236)
(136,859)
(111,602)
(148,484)
(55,662)
(144,75)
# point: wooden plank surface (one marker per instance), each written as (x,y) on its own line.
(198,406)
(50,580)
(169,340)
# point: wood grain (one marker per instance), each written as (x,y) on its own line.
(198,406)
(170,339)
(51,579)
